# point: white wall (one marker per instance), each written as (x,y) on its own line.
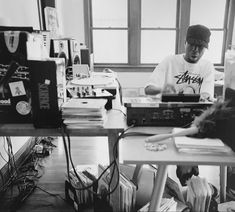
(19,13)
(71,18)
(17,143)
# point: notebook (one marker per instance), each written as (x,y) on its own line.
(199,145)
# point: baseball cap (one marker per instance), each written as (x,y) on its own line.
(198,35)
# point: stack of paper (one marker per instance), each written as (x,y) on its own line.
(199,194)
(199,145)
(84,112)
(166,205)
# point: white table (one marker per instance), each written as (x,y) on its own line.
(132,151)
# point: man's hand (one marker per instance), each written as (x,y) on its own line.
(184,173)
(168,88)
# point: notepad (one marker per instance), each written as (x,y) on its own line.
(199,145)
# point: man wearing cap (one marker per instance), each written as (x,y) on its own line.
(186,73)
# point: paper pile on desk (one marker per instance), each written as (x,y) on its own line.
(199,145)
(84,112)
(199,194)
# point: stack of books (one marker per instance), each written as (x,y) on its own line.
(199,145)
(199,194)
(84,112)
(75,191)
(127,189)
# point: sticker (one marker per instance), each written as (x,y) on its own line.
(23,108)
(155,146)
(47,82)
(17,88)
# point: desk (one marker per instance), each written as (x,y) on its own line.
(132,151)
(114,125)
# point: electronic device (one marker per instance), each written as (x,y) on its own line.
(14,97)
(85,56)
(43,80)
(14,76)
(168,97)
(60,48)
(146,111)
(66,48)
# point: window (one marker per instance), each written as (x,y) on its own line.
(158,31)
(215,21)
(109,31)
(143,32)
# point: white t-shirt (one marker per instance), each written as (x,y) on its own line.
(186,77)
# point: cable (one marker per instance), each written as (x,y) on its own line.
(54,195)
(84,187)
(115,155)
(120,111)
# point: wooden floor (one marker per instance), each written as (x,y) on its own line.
(85,150)
(88,150)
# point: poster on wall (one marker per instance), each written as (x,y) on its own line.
(52,23)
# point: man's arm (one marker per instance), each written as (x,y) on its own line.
(152,90)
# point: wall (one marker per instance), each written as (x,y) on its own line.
(17,143)
(20,12)
(70,15)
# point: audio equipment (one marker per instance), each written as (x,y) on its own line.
(14,77)
(60,48)
(85,56)
(144,111)
(43,80)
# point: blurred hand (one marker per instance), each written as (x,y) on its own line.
(168,88)
(205,97)
(184,173)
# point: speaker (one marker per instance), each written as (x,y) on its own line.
(60,48)
(45,109)
(85,56)
(75,52)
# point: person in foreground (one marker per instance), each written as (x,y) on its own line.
(186,73)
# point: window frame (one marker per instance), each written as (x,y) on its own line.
(134,32)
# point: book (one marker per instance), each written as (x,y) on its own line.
(199,145)
(79,112)
(199,194)
(127,189)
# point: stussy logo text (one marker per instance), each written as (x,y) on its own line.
(186,78)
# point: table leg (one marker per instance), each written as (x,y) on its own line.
(115,197)
(158,189)
(223,183)
(136,175)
